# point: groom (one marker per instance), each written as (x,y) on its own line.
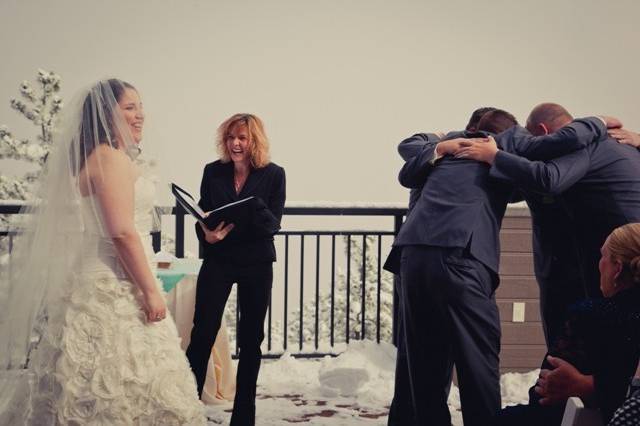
(449,269)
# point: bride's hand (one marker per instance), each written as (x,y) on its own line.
(154,307)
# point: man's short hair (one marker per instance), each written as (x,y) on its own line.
(472,125)
(553,116)
(497,121)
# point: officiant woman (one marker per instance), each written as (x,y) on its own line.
(242,254)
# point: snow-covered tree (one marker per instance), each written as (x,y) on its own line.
(355,303)
(40,104)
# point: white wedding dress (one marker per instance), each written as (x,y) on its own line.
(99,362)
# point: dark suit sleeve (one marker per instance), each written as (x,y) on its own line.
(415,170)
(278,195)
(204,203)
(552,177)
(413,146)
(570,138)
(268,213)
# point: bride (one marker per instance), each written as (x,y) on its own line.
(85,332)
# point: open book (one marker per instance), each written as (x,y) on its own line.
(239,212)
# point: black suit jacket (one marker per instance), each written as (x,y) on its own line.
(462,206)
(408,149)
(217,189)
(601,186)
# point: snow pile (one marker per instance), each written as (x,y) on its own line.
(365,369)
(353,389)
(515,387)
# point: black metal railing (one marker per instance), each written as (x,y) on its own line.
(285,240)
(371,244)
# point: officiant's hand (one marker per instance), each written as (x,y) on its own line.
(221,231)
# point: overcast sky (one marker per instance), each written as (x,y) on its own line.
(338,83)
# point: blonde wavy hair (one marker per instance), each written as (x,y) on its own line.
(258,142)
(624,246)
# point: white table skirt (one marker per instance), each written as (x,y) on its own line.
(221,375)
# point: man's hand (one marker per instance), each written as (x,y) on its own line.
(218,234)
(564,381)
(611,122)
(451,146)
(484,150)
(626,137)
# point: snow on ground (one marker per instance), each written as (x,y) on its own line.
(353,389)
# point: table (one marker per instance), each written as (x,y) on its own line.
(179,282)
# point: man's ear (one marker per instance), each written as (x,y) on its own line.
(543,129)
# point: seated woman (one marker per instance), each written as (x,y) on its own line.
(598,350)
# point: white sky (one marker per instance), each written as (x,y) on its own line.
(338,83)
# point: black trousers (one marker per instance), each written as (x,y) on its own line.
(531,415)
(401,410)
(449,316)
(254,291)
(557,293)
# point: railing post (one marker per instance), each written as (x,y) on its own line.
(156,236)
(397,223)
(180,212)
(301,291)
(363,320)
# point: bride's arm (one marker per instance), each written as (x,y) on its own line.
(113,180)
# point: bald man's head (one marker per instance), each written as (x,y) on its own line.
(547,118)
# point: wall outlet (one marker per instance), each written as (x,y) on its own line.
(518,312)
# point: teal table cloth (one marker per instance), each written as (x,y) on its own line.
(179,269)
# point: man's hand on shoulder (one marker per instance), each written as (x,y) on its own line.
(626,137)
(611,122)
(453,146)
(479,149)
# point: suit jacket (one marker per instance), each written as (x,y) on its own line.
(411,147)
(217,189)
(408,149)
(601,186)
(462,206)
(556,259)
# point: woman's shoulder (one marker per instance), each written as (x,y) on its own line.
(105,154)
(215,166)
(274,168)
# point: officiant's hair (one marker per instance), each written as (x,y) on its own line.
(259,144)
(93,125)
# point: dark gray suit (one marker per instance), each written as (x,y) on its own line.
(556,260)
(449,273)
(408,149)
(600,184)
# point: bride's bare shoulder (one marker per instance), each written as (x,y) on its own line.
(106,153)
(104,161)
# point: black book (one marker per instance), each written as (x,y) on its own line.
(240,212)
